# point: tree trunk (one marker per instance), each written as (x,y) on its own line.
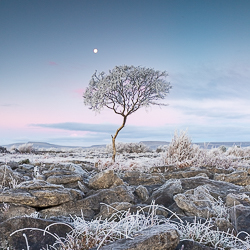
(114,137)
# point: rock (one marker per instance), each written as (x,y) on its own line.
(192,245)
(160,237)
(68,189)
(107,210)
(67,175)
(77,168)
(164,194)
(202,175)
(105,179)
(138,178)
(240,217)
(145,209)
(71,208)
(9,210)
(142,193)
(64,179)
(25,161)
(223,224)
(37,194)
(187,174)
(90,205)
(27,167)
(13,165)
(3,150)
(245,168)
(82,187)
(196,202)
(65,169)
(219,170)
(237,199)
(216,188)
(8,177)
(237,177)
(36,239)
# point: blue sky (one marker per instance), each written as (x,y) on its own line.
(47,60)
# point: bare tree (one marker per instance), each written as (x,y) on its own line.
(124,90)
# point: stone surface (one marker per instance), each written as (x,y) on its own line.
(105,179)
(90,205)
(222,224)
(240,217)
(164,194)
(9,210)
(142,193)
(8,177)
(36,239)
(216,188)
(237,199)
(192,245)
(187,174)
(69,189)
(37,194)
(237,177)
(64,179)
(106,211)
(160,237)
(196,202)
(138,178)
(3,150)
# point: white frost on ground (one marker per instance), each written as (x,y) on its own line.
(101,159)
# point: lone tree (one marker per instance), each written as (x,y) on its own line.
(124,90)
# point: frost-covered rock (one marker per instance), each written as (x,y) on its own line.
(196,202)
(164,194)
(192,245)
(90,205)
(187,174)
(37,239)
(139,178)
(3,150)
(237,177)
(216,188)
(106,211)
(161,237)
(142,193)
(237,199)
(10,210)
(64,179)
(9,178)
(240,217)
(70,186)
(38,194)
(105,179)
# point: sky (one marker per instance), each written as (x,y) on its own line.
(47,60)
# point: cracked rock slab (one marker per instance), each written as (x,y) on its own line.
(161,237)
(37,194)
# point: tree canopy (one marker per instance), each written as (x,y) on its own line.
(126,89)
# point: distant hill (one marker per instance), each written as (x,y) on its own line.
(49,145)
(39,145)
(151,144)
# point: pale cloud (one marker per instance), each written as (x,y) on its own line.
(52,63)
(212,81)
(222,110)
(9,105)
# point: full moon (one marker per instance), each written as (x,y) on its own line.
(95,51)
